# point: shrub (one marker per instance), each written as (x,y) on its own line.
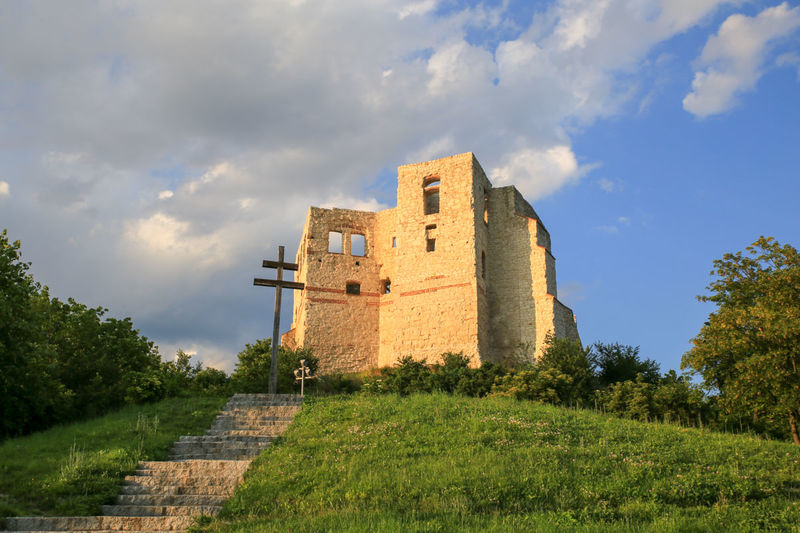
(252,369)
(546,385)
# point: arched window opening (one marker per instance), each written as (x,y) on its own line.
(430,190)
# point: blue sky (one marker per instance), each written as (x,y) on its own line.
(151,153)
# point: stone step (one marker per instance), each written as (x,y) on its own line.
(194,466)
(180,447)
(186,481)
(255,429)
(159,510)
(243,404)
(261,418)
(170,499)
(95,523)
(257,432)
(227,439)
(137,489)
(242,456)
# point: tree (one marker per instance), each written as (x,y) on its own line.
(617,362)
(563,374)
(252,369)
(750,346)
(31,395)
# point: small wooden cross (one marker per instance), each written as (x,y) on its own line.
(276,325)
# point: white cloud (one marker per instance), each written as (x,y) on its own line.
(537,173)
(165,195)
(459,68)
(5,190)
(609,185)
(416,8)
(349,202)
(734,59)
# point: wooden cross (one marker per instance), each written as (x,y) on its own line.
(276,325)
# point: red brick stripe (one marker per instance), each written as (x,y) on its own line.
(434,289)
(323,289)
(326,301)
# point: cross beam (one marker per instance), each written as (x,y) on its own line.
(279,284)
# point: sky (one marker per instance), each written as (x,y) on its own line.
(153,153)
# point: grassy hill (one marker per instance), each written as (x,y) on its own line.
(432,463)
(444,463)
(71,470)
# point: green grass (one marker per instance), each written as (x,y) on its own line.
(72,470)
(444,463)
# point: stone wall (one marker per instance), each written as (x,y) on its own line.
(476,277)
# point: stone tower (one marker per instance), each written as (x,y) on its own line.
(457,266)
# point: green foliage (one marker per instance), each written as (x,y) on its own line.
(336,383)
(672,399)
(70,470)
(62,361)
(617,362)
(438,462)
(538,384)
(632,399)
(252,369)
(564,374)
(98,359)
(453,375)
(750,346)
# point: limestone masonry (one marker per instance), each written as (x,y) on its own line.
(457,266)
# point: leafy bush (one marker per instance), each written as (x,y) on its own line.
(617,362)
(335,384)
(252,369)
(546,385)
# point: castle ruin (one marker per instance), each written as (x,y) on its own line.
(457,266)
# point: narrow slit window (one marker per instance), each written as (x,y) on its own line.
(358,245)
(483,265)
(430,193)
(430,238)
(386,286)
(353,287)
(485,207)
(394,242)
(335,242)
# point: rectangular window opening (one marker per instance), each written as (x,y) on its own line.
(386,286)
(335,242)
(358,244)
(394,242)
(353,288)
(430,245)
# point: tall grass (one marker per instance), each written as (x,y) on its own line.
(73,469)
(444,463)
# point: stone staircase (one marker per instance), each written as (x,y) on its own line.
(201,474)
